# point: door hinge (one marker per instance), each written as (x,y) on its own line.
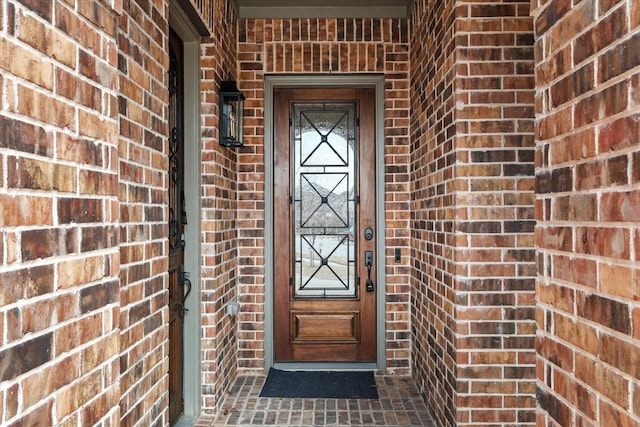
(357,200)
(290,121)
(358,121)
(291,281)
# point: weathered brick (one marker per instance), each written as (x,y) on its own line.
(80,150)
(40,316)
(635,168)
(97,183)
(602,379)
(45,108)
(79,393)
(581,207)
(560,297)
(27,65)
(574,85)
(616,415)
(555,407)
(40,174)
(25,137)
(11,405)
(98,296)
(44,10)
(607,30)
(612,242)
(100,237)
(76,210)
(69,86)
(41,415)
(620,207)
(80,271)
(99,14)
(619,134)
(607,312)
(577,333)
(40,384)
(576,270)
(600,255)
(23,357)
(96,69)
(623,57)
(619,281)
(38,281)
(606,102)
(622,355)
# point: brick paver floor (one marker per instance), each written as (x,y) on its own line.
(399,404)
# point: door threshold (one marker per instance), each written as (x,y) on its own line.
(325,366)
(186,421)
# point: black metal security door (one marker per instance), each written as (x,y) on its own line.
(179,285)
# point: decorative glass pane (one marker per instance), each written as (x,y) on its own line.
(324,182)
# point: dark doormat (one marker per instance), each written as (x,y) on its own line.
(320,385)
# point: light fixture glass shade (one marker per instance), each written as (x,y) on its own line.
(231,107)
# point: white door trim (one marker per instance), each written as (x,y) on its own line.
(375,81)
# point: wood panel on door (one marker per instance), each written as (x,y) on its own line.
(324,200)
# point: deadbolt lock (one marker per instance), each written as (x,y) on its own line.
(368,233)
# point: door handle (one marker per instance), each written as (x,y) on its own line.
(184,281)
(368,262)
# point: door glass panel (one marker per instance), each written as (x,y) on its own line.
(324,202)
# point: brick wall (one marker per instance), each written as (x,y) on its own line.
(143,164)
(59,295)
(219,214)
(588,211)
(83,241)
(472,212)
(143,150)
(433,207)
(322,46)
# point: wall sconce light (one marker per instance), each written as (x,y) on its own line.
(231,105)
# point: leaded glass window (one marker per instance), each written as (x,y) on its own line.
(324,202)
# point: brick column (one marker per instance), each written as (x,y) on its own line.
(59,260)
(220,225)
(588,212)
(143,61)
(472,225)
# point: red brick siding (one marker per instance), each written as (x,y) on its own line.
(143,146)
(472,212)
(322,46)
(433,207)
(588,211)
(59,296)
(83,160)
(143,61)
(219,214)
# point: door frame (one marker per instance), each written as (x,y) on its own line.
(376,82)
(190,34)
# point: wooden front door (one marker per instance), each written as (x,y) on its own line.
(179,285)
(324,217)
